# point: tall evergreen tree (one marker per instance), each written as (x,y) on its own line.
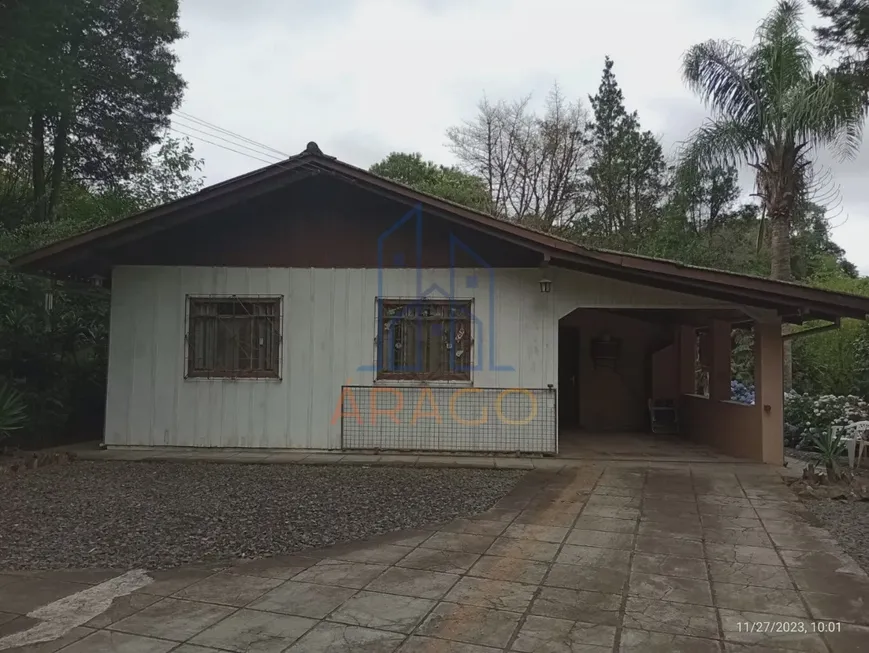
(626,174)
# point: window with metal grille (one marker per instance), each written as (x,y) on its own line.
(234,337)
(424,339)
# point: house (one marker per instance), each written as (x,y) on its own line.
(314,305)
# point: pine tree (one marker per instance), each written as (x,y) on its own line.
(626,176)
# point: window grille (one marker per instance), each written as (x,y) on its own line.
(234,337)
(424,340)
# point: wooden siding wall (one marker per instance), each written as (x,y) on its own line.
(328,329)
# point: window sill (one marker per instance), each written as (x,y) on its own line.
(234,379)
(421,383)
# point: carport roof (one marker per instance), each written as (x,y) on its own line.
(794,302)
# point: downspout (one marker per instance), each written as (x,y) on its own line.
(812,331)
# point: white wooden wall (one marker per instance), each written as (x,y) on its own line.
(328,328)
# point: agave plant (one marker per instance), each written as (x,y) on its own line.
(830,447)
(13,413)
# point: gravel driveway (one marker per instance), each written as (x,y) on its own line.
(163,514)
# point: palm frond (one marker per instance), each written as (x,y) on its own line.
(827,110)
(715,70)
(781,58)
(720,143)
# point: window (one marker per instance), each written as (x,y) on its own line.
(424,339)
(234,337)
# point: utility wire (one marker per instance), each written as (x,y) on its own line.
(211,125)
(178,123)
(223,147)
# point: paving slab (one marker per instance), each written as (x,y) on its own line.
(586,577)
(104,641)
(644,641)
(471,624)
(513,569)
(487,593)
(548,634)
(303,599)
(341,573)
(173,619)
(417,644)
(464,542)
(228,589)
(417,583)
(450,562)
(740,573)
(251,631)
(668,565)
(758,599)
(670,588)
(578,605)
(673,618)
(384,611)
(509,547)
(339,638)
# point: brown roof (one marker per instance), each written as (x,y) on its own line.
(792,300)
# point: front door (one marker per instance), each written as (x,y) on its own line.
(568,377)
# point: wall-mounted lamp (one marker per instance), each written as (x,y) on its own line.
(545,281)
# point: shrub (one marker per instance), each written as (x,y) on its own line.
(13,413)
(741,392)
(808,417)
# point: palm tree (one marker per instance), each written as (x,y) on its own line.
(771,111)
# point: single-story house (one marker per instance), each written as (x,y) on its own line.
(313,305)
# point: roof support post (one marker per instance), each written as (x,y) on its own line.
(686,348)
(769,389)
(719,373)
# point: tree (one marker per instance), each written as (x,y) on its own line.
(87,88)
(770,110)
(705,198)
(447,182)
(533,166)
(626,172)
(846,36)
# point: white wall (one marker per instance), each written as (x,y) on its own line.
(328,328)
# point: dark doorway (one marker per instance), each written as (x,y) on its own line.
(568,377)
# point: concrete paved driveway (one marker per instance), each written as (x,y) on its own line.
(588,559)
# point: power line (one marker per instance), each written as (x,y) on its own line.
(223,147)
(230,133)
(225,140)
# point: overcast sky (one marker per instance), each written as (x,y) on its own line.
(364,78)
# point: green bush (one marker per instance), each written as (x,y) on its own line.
(807,417)
(13,411)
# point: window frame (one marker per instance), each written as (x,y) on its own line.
(381,375)
(192,374)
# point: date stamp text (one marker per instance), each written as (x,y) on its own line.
(784,627)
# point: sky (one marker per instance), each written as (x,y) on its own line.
(364,78)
